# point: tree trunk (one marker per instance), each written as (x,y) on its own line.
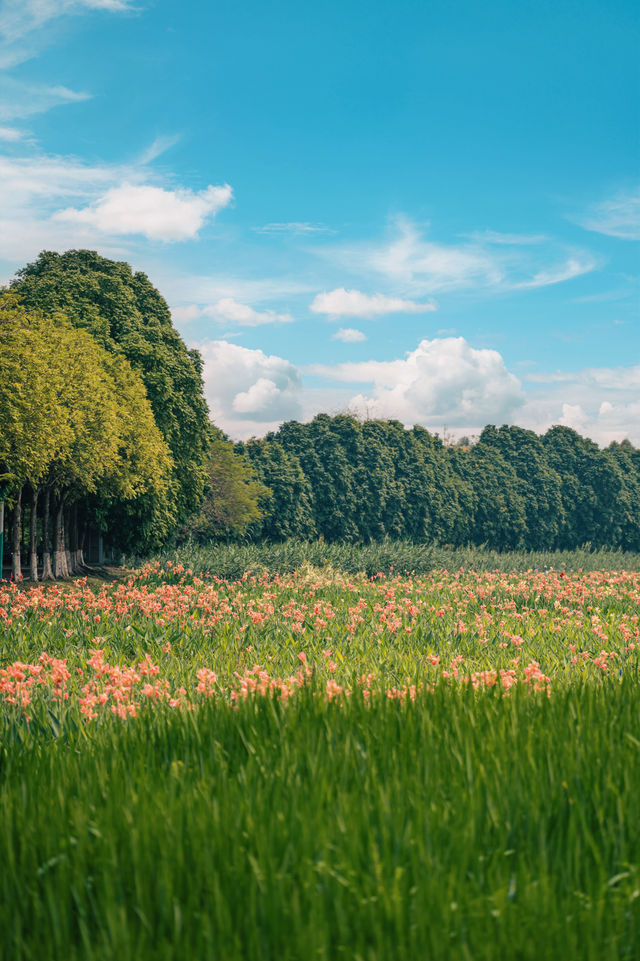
(60,567)
(68,534)
(82,536)
(47,572)
(16,565)
(34,534)
(75,541)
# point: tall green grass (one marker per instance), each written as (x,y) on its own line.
(232,560)
(461,826)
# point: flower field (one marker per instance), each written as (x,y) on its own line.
(319,764)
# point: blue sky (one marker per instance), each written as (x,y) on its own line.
(428,211)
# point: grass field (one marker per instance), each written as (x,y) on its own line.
(320,765)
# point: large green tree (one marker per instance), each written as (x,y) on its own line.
(127,316)
(75,422)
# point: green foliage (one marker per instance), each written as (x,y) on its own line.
(75,418)
(287,513)
(34,428)
(234,560)
(71,414)
(353,482)
(127,316)
(452,829)
(232,498)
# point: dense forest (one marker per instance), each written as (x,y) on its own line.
(104,427)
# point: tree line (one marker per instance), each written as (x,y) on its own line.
(358,482)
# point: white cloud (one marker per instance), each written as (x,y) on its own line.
(167,215)
(602,403)
(229,310)
(20,17)
(443,381)
(433,266)
(353,303)
(23,100)
(349,335)
(27,181)
(27,25)
(10,134)
(159,146)
(495,237)
(573,267)
(248,390)
(493,262)
(617,217)
(294,227)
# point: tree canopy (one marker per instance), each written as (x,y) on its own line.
(126,316)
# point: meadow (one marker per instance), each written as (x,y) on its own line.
(296,761)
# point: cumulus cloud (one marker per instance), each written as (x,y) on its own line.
(248,390)
(167,215)
(349,335)
(442,381)
(353,303)
(602,403)
(616,217)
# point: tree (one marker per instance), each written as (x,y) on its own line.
(538,484)
(233,496)
(289,509)
(127,316)
(75,421)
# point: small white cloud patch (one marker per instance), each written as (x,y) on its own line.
(617,217)
(353,303)
(349,335)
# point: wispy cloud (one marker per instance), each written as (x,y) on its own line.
(159,146)
(296,228)
(20,100)
(230,311)
(618,216)
(416,265)
(509,240)
(21,17)
(11,134)
(573,267)
(353,303)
